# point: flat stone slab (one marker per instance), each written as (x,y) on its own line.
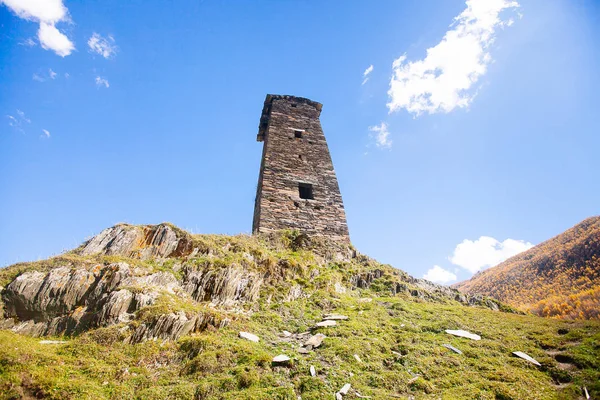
(332,317)
(454,349)
(316,340)
(464,334)
(52,341)
(313,371)
(527,357)
(325,324)
(280,359)
(249,336)
(345,389)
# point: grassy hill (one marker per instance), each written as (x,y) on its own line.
(557,278)
(277,287)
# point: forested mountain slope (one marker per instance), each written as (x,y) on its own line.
(557,278)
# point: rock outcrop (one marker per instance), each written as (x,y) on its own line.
(150,241)
(170,283)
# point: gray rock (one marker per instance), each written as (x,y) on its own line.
(332,317)
(249,336)
(144,242)
(454,349)
(527,357)
(313,371)
(345,389)
(315,340)
(281,359)
(326,323)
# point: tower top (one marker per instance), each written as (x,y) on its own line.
(266,112)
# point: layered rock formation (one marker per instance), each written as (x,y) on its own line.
(161,282)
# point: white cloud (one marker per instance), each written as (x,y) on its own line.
(444,79)
(67,75)
(381,135)
(485,252)
(366,74)
(102,82)
(17,122)
(22,115)
(48,13)
(439,275)
(38,78)
(105,47)
(46,134)
(52,39)
(29,42)
(52,74)
(12,121)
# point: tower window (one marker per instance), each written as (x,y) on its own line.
(298,134)
(306,191)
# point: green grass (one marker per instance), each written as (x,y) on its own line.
(219,365)
(398,339)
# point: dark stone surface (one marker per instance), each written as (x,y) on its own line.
(289,161)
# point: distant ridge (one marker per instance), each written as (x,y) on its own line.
(558,278)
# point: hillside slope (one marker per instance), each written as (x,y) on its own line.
(557,278)
(152,312)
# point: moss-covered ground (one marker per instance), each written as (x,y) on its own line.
(397,340)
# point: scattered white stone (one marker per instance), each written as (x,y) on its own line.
(282,358)
(454,349)
(287,334)
(249,336)
(464,334)
(360,396)
(52,341)
(527,357)
(365,300)
(587,395)
(397,354)
(344,390)
(325,324)
(357,358)
(332,317)
(338,396)
(339,288)
(402,325)
(316,340)
(313,371)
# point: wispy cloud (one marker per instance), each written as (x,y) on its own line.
(445,78)
(21,114)
(102,82)
(104,46)
(485,252)
(46,134)
(37,77)
(47,13)
(438,274)
(366,74)
(381,135)
(29,42)
(52,74)
(16,121)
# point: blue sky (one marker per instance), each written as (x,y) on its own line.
(457,156)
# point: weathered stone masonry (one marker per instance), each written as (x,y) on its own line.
(297,186)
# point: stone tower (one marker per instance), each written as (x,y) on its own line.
(297,187)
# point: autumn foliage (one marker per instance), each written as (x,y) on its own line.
(558,278)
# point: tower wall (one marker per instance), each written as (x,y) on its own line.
(296,165)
